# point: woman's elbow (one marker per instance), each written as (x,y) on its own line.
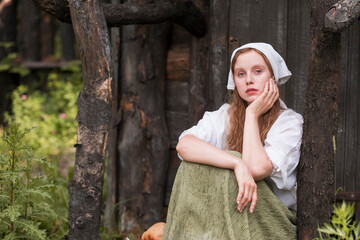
(262,172)
(182,145)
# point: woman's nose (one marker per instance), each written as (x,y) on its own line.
(249,79)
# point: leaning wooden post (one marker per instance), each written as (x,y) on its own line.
(94,105)
(316,169)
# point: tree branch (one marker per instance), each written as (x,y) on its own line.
(184,13)
(342,14)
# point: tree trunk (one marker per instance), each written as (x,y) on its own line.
(94,105)
(7,35)
(316,169)
(143,136)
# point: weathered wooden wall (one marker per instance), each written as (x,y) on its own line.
(348,138)
(285,25)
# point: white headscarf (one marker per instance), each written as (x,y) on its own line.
(281,72)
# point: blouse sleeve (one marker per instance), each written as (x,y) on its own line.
(282,146)
(211,128)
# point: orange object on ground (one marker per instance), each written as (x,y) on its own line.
(155,232)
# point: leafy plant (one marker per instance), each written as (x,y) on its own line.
(24,194)
(10,63)
(51,108)
(342,224)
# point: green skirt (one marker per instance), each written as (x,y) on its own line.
(203,206)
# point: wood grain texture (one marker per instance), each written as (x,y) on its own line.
(218,53)
(342,14)
(348,154)
(143,141)
(259,21)
(316,168)
(183,13)
(113,168)
(297,54)
(94,106)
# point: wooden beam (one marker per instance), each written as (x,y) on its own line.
(342,14)
(184,13)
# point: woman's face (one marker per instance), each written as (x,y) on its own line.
(251,73)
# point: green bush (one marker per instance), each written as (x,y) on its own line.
(51,110)
(24,194)
(342,224)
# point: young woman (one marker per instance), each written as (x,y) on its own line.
(214,186)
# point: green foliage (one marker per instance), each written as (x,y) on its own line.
(10,63)
(342,224)
(51,108)
(24,194)
(53,112)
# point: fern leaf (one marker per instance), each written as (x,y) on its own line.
(32,229)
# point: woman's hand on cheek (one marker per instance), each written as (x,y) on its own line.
(247,187)
(266,100)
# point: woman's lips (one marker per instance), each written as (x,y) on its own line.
(251,91)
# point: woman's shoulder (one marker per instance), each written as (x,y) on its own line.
(220,112)
(288,114)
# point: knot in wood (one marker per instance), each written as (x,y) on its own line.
(92,192)
(80,222)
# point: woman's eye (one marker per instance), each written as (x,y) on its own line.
(241,74)
(258,71)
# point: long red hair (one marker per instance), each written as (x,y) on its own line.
(237,112)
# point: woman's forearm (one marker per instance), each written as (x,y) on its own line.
(254,154)
(193,149)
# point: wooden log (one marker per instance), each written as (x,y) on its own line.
(181,12)
(143,142)
(316,168)
(342,14)
(94,105)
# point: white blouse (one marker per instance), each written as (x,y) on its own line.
(282,145)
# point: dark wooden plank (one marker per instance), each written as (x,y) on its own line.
(354,78)
(174,163)
(177,96)
(341,133)
(177,122)
(351,113)
(48,30)
(218,53)
(178,63)
(297,54)
(112,196)
(198,71)
(259,21)
(29,31)
(67,41)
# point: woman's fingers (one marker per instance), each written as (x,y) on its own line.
(245,195)
(253,201)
